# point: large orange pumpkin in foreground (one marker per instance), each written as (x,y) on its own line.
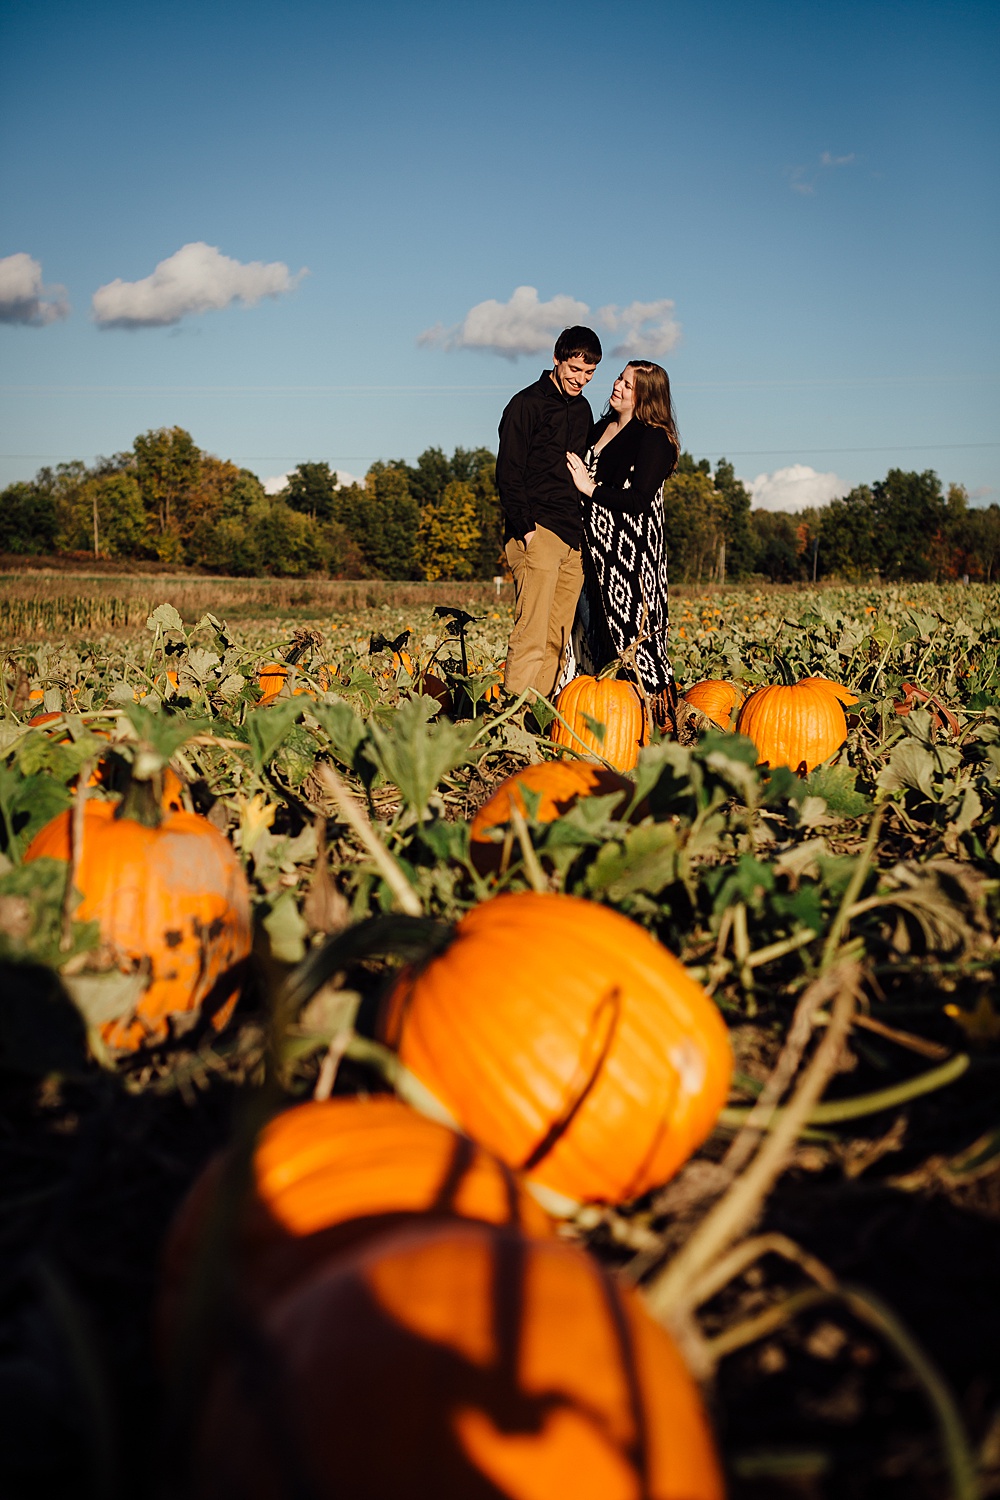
(558,784)
(170,898)
(616,705)
(564,1038)
(328,1175)
(799,725)
(458,1364)
(718,701)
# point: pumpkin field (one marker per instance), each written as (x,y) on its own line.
(412,1091)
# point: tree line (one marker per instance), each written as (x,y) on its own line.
(165,499)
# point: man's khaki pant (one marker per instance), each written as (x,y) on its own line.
(548,577)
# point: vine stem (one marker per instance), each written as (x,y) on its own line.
(871,1310)
(532,865)
(833,1111)
(76,827)
(850,896)
(671,1289)
(357,820)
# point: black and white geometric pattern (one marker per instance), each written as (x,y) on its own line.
(624,592)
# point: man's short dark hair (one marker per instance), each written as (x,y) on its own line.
(579,343)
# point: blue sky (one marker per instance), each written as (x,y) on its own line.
(793,206)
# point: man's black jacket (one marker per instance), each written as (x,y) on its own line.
(538,427)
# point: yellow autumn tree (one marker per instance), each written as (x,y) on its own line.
(448,536)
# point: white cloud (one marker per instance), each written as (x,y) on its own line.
(803,179)
(524,325)
(278,482)
(195,279)
(23,298)
(521,326)
(795,488)
(649,329)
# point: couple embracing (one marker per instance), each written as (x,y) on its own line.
(583,524)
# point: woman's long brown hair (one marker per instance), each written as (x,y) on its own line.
(653,403)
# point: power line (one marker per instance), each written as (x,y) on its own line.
(784,382)
(707,450)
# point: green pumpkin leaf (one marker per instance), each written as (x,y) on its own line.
(165,617)
(416,754)
(267,727)
(838,786)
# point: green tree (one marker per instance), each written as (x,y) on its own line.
(382,520)
(847,546)
(448,535)
(694,520)
(779,545)
(115,502)
(168,468)
(735,508)
(289,544)
(431,476)
(28,520)
(909,516)
(311,489)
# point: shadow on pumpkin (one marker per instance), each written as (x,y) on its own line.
(471,1363)
(326,1179)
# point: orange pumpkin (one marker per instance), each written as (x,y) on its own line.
(799,725)
(327,1176)
(565,1039)
(271,679)
(172,898)
(842,694)
(558,784)
(616,705)
(463,1362)
(718,701)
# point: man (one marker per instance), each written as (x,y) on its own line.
(543,526)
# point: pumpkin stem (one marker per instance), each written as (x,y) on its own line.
(142,800)
(788,678)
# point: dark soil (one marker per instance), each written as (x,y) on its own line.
(92,1170)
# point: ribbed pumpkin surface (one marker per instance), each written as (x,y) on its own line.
(716,700)
(794,725)
(464,1363)
(329,1174)
(841,693)
(559,1034)
(272,679)
(616,705)
(173,897)
(557,783)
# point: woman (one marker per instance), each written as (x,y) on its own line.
(623,607)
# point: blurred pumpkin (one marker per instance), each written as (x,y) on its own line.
(463,1363)
(565,1039)
(798,726)
(615,704)
(170,897)
(271,679)
(558,784)
(329,1175)
(717,700)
